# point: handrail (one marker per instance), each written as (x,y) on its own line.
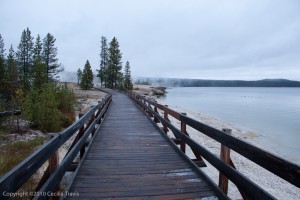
(15,178)
(279,166)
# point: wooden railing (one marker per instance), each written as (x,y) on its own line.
(248,189)
(84,127)
(9,113)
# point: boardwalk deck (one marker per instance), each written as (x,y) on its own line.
(130,159)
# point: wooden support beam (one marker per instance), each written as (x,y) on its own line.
(183,130)
(225,156)
(53,164)
(165,128)
(155,118)
(80,134)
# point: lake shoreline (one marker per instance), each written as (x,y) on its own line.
(265,179)
(276,186)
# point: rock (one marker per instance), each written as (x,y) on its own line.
(161,88)
(158,92)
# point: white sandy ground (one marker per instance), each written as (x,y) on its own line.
(276,186)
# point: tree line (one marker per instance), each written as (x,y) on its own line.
(110,73)
(29,82)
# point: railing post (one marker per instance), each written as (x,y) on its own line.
(99,111)
(80,134)
(149,112)
(94,129)
(165,128)
(183,130)
(155,118)
(225,156)
(53,164)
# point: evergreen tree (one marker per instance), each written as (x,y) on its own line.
(12,71)
(103,61)
(49,54)
(39,73)
(2,64)
(127,77)
(114,64)
(41,109)
(24,56)
(87,77)
(79,76)
(37,50)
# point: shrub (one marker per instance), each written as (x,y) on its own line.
(50,108)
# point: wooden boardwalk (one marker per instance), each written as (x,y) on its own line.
(129,158)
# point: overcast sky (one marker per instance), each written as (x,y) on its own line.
(206,39)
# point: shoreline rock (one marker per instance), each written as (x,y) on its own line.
(149,91)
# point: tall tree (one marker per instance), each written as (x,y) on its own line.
(103,61)
(2,64)
(24,56)
(12,70)
(49,54)
(37,50)
(79,76)
(114,63)
(39,73)
(127,77)
(87,77)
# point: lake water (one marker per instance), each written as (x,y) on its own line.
(272,113)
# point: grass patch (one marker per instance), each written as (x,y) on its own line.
(3,132)
(12,154)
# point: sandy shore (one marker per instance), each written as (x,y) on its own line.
(276,186)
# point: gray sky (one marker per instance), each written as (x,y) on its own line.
(206,39)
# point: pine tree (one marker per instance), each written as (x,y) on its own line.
(103,61)
(24,56)
(49,54)
(2,64)
(39,73)
(127,77)
(37,50)
(12,71)
(114,63)
(79,76)
(87,77)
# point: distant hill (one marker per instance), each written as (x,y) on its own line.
(173,82)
